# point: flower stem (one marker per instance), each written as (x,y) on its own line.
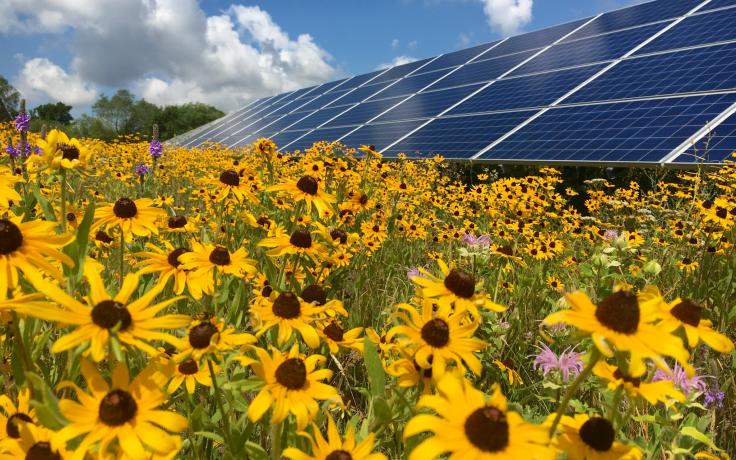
(594,357)
(122,256)
(218,397)
(276,441)
(63,199)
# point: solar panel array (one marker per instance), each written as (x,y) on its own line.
(654,83)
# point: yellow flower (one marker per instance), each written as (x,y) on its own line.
(124,411)
(12,417)
(7,188)
(334,447)
(291,384)
(204,258)
(61,152)
(474,426)
(653,392)
(210,336)
(688,315)
(307,189)
(33,442)
(300,242)
(168,266)
(591,438)
(289,312)
(137,217)
(513,376)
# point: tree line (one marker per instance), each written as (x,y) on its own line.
(112,116)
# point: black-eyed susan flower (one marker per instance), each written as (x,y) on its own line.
(123,413)
(625,322)
(687,265)
(32,247)
(443,338)
(335,447)
(299,242)
(7,191)
(33,443)
(166,263)
(336,337)
(133,323)
(210,335)
(591,438)
(292,384)
(469,423)
(512,375)
(455,288)
(229,184)
(186,371)
(203,259)
(288,312)
(306,189)
(133,217)
(687,314)
(653,392)
(58,151)
(12,415)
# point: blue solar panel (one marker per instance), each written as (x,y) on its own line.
(318,117)
(696,30)
(533,40)
(638,131)
(358,80)
(481,71)
(321,101)
(635,16)
(360,94)
(700,69)
(523,92)
(363,112)
(456,58)
(332,85)
(457,137)
(410,85)
(329,134)
(714,147)
(380,135)
(427,104)
(588,50)
(400,71)
(719,4)
(286,121)
(285,137)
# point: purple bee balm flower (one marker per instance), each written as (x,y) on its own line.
(414,271)
(483,240)
(568,363)
(142,169)
(679,377)
(714,399)
(155,149)
(610,235)
(22,122)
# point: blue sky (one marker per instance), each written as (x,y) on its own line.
(225,53)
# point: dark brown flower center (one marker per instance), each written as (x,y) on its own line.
(722,213)
(505,250)
(436,332)
(230,177)
(71,217)
(628,379)
(487,429)
(117,408)
(263,221)
(42,451)
(292,374)
(108,313)
(598,433)
(308,185)
(314,294)
(460,283)
(301,238)
(12,426)
(125,208)
(339,455)
(286,306)
(69,152)
(339,235)
(335,332)
(220,256)
(363,200)
(619,312)
(11,238)
(177,221)
(688,312)
(201,334)
(103,237)
(189,367)
(173,257)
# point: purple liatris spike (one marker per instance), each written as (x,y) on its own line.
(155,149)
(22,122)
(142,169)
(12,151)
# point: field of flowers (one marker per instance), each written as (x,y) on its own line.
(161,302)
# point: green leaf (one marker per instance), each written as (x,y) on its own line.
(257,452)
(693,432)
(47,407)
(46,206)
(376,375)
(381,411)
(82,240)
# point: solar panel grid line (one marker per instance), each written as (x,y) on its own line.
(695,138)
(279,108)
(483,87)
(254,116)
(236,114)
(455,69)
(589,80)
(365,99)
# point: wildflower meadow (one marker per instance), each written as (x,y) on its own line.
(159,302)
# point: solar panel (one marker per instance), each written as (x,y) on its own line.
(648,84)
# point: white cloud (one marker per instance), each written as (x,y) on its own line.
(412,45)
(398,60)
(170,51)
(508,16)
(41,78)
(395,43)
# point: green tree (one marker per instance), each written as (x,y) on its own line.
(91,127)
(178,119)
(9,100)
(116,110)
(59,113)
(143,117)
